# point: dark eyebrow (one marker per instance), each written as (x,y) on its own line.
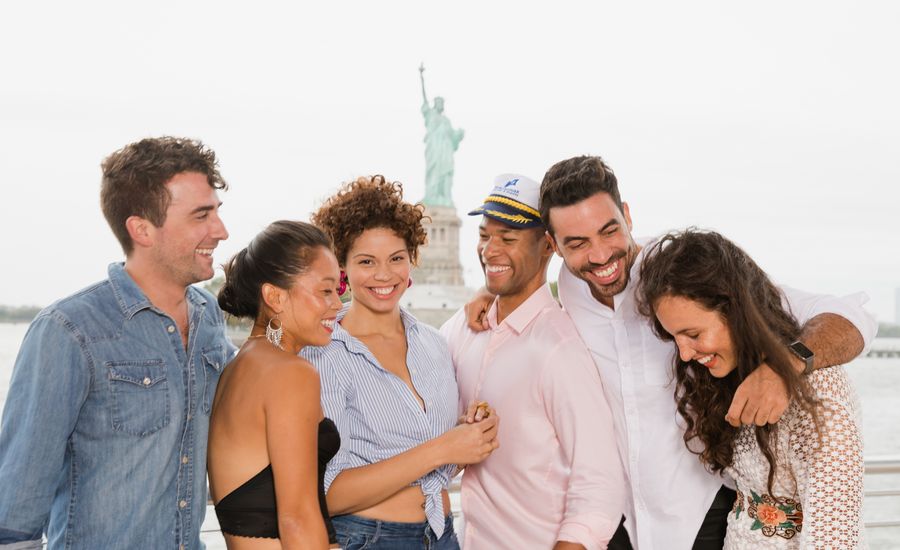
(607,225)
(503,231)
(205,208)
(372,255)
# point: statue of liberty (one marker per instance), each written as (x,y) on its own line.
(441,141)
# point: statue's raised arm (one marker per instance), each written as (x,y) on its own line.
(422,79)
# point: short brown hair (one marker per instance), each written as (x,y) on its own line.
(368,203)
(573,180)
(135,177)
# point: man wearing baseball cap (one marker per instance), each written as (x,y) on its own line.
(556,481)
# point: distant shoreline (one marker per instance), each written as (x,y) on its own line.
(18,314)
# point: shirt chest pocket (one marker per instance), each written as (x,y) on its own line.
(139,396)
(213,362)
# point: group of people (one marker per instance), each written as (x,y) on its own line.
(673,396)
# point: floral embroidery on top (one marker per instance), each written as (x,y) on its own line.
(738,505)
(775,515)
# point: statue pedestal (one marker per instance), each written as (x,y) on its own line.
(438,288)
(439,259)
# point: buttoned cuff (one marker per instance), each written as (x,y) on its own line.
(24,545)
(592,533)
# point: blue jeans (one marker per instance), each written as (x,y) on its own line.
(359,533)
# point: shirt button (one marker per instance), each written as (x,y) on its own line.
(182,504)
(184,459)
(171,329)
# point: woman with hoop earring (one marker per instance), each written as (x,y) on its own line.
(268,439)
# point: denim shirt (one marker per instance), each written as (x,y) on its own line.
(103,436)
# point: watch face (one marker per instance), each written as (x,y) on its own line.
(802,351)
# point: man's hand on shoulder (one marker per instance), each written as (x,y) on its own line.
(761,398)
(565,545)
(477,308)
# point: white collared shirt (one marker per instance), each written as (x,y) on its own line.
(670,488)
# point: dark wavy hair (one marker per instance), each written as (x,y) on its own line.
(573,180)
(280,252)
(369,203)
(135,177)
(707,268)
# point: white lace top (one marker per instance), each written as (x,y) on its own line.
(818,487)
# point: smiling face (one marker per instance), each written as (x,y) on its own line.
(378,267)
(594,239)
(183,246)
(312,302)
(514,261)
(702,336)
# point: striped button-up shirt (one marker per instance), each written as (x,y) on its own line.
(377,414)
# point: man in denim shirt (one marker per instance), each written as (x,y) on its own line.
(103,436)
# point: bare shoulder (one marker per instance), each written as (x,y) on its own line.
(289,377)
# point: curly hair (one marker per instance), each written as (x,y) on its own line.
(707,268)
(135,177)
(369,203)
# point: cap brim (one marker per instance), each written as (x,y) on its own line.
(507,215)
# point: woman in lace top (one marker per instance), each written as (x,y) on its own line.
(799,480)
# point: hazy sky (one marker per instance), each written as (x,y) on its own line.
(776,123)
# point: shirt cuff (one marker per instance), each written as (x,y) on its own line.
(24,545)
(593,534)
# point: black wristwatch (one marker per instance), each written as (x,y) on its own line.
(804,353)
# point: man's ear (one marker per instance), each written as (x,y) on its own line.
(627,213)
(140,230)
(552,242)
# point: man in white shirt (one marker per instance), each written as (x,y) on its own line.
(675,502)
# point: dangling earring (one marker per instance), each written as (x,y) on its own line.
(274,333)
(345,284)
(409,283)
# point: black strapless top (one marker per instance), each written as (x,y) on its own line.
(249,510)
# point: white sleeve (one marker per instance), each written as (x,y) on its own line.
(806,305)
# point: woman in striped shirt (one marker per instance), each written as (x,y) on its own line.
(388,383)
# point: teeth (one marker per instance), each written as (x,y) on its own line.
(328,323)
(205,251)
(608,271)
(383,290)
(496,268)
(704,360)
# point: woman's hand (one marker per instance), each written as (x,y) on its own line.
(470,443)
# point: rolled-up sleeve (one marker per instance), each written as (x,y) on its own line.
(50,382)
(577,407)
(806,305)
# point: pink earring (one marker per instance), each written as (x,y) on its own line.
(344,284)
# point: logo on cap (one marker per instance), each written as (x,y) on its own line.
(511,183)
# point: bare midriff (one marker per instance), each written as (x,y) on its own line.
(406,506)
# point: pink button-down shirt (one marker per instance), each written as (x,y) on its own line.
(557,474)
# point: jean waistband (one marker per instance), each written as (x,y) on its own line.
(376,527)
